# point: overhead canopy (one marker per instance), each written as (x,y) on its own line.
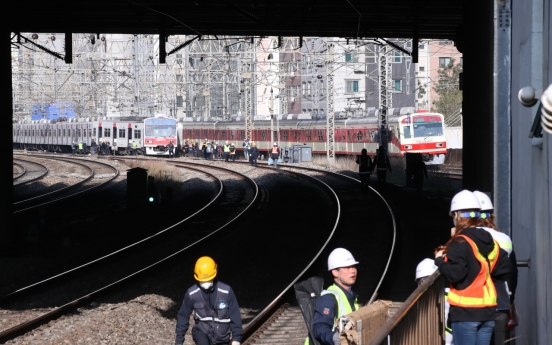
(337,18)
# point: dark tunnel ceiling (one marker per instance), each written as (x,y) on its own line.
(337,18)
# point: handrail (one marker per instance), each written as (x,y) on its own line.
(423,308)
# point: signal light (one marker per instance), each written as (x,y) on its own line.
(150,199)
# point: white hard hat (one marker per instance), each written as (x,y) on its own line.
(340,257)
(484,201)
(425,268)
(275,144)
(464,200)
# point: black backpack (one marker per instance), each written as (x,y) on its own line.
(306,292)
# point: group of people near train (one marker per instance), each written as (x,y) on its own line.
(227,151)
(478,263)
(81,148)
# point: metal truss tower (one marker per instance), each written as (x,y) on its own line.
(330,116)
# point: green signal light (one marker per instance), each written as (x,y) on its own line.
(150,199)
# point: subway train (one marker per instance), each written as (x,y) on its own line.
(420,132)
(152,135)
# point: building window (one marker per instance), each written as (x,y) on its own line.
(422,68)
(397,85)
(461,60)
(421,46)
(351,86)
(309,88)
(397,57)
(137,134)
(304,88)
(121,132)
(321,87)
(351,57)
(370,57)
(444,62)
(444,42)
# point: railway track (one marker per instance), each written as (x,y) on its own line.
(99,174)
(18,171)
(29,171)
(85,282)
(281,322)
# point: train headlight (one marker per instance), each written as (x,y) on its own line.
(439,145)
(408,147)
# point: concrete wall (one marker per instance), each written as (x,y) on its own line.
(531,172)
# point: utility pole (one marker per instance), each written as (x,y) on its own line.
(271,109)
(330,116)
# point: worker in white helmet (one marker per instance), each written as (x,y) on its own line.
(471,261)
(505,290)
(338,300)
(274,155)
(424,269)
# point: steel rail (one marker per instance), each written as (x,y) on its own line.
(19,175)
(26,288)
(73,186)
(266,313)
(26,171)
(392,214)
(26,326)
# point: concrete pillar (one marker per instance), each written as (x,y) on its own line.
(6,201)
(477,106)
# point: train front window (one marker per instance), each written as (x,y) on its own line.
(160,127)
(428,129)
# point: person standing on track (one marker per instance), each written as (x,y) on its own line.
(419,172)
(336,301)
(93,147)
(471,260)
(364,169)
(275,154)
(215,307)
(233,152)
(506,291)
(171,149)
(226,151)
(253,154)
(382,162)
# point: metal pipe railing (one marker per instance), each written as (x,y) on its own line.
(420,319)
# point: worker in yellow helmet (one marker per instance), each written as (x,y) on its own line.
(216,311)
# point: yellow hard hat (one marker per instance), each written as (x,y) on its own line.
(205,269)
(254,144)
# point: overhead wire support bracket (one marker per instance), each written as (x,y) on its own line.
(396,46)
(183,45)
(42,48)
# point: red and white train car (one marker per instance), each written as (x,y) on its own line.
(418,132)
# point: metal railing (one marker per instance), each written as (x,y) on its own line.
(420,319)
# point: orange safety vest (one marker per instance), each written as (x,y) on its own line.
(274,149)
(481,293)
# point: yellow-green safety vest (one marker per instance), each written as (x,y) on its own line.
(342,303)
(134,145)
(226,148)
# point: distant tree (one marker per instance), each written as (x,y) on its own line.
(447,87)
(421,94)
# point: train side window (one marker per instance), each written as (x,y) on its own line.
(94,132)
(263,135)
(320,136)
(285,135)
(407,132)
(205,134)
(122,133)
(107,132)
(308,134)
(137,134)
(232,135)
(294,135)
(359,136)
(223,134)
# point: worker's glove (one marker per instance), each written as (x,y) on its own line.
(336,339)
(235,343)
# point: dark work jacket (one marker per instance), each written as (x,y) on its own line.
(254,152)
(216,301)
(462,268)
(364,164)
(324,315)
